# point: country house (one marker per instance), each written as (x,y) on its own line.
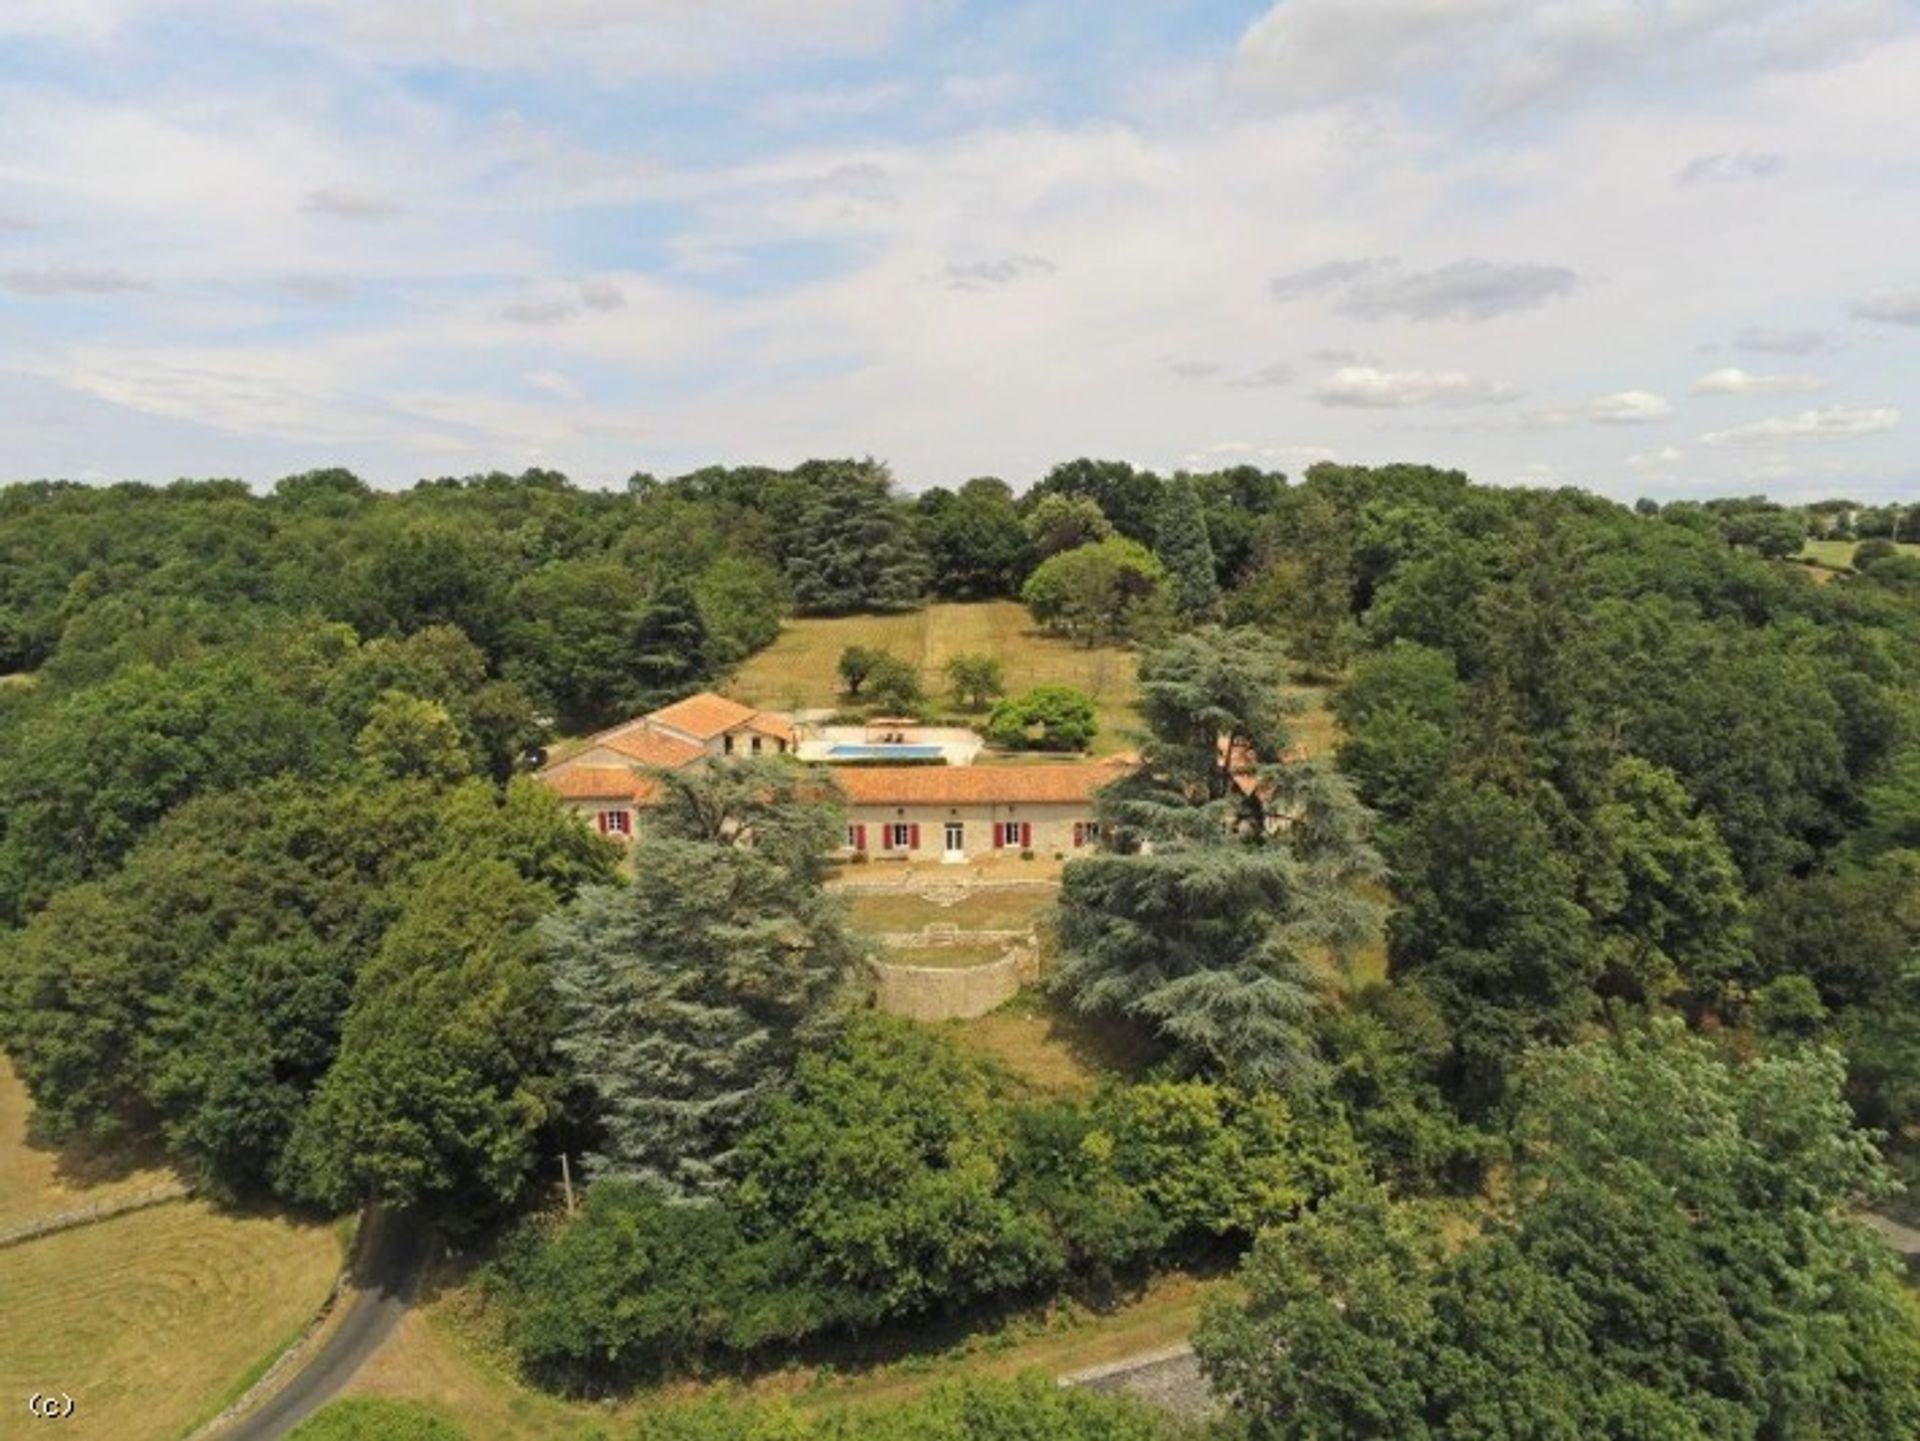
(941,812)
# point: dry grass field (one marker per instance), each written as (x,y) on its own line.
(798,670)
(148,1320)
(152,1320)
(32,1180)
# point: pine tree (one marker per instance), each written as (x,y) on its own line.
(686,995)
(670,648)
(1185,551)
(1232,870)
(852,547)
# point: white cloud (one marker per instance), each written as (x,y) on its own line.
(796,109)
(1375,288)
(1364,387)
(1306,52)
(84,20)
(321,289)
(993,274)
(554,383)
(553,307)
(796,299)
(55,280)
(1464,290)
(1511,55)
(1776,340)
(1732,380)
(1664,458)
(1628,407)
(1267,377)
(599,38)
(350,204)
(1895,308)
(1832,422)
(1724,166)
(1327,277)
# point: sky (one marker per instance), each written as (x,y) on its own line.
(1645,247)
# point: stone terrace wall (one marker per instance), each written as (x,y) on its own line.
(934,993)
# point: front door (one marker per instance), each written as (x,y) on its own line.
(956,837)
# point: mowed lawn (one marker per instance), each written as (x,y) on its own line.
(983,910)
(798,670)
(148,1320)
(1838,554)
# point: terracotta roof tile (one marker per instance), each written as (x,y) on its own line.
(598,783)
(650,748)
(974,785)
(769,724)
(705,715)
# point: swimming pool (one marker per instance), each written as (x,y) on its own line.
(848,751)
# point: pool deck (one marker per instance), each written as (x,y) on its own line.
(850,743)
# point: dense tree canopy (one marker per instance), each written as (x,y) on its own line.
(1647,1275)
(272,897)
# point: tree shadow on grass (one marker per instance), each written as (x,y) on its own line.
(80,1165)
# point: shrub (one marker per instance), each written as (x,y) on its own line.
(896,1180)
(855,665)
(893,685)
(637,1283)
(976,679)
(1046,718)
(888,1165)
(1093,592)
(1870,551)
(1022,1410)
(368,1418)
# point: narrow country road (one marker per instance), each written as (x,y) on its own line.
(1903,1239)
(383,1285)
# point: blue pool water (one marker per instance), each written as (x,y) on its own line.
(848,751)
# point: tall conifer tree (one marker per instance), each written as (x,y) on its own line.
(1185,551)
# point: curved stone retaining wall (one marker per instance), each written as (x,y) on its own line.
(958,993)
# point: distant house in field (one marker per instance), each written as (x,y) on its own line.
(904,812)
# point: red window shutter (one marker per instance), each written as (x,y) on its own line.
(999,835)
(600,822)
(1026,835)
(859,838)
(913,836)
